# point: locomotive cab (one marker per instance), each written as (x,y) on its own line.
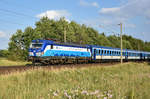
(35,49)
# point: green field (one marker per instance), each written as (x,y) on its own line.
(6,62)
(129,81)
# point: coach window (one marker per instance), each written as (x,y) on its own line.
(51,46)
(110,52)
(102,52)
(99,51)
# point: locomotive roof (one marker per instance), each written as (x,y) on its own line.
(58,43)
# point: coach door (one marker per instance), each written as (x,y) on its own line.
(126,56)
(94,54)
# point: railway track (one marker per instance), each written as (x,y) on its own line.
(12,69)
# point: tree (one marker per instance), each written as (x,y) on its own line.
(4,53)
(76,33)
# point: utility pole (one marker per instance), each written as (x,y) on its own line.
(121,59)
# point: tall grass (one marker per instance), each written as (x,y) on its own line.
(129,81)
(6,62)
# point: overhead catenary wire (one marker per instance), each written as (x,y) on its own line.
(10,22)
(16,13)
(21,5)
(110,30)
(11,13)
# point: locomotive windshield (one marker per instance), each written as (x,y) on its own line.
(36,45)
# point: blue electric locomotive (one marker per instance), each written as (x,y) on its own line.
(47,51)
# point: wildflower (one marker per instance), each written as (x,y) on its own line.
(55,94)
(69,97)
(98,96)
(66,94)
(110,96)
(105,97)
(84,92)
(50,90)
(94,93)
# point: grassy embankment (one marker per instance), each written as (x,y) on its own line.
(6,62)
(129,81)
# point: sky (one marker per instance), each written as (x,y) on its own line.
(102,15)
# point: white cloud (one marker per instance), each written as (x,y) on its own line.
(107,22)
(109,10)
(85,3)
(54,14)
(95,4)
(2,34)
(131,9)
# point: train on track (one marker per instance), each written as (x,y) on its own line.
(52,52)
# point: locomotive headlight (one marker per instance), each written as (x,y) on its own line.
(38,54)
(42,53)
(30,53)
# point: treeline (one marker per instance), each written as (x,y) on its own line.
(76,33)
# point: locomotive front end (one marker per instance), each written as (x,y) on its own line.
(35,51)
